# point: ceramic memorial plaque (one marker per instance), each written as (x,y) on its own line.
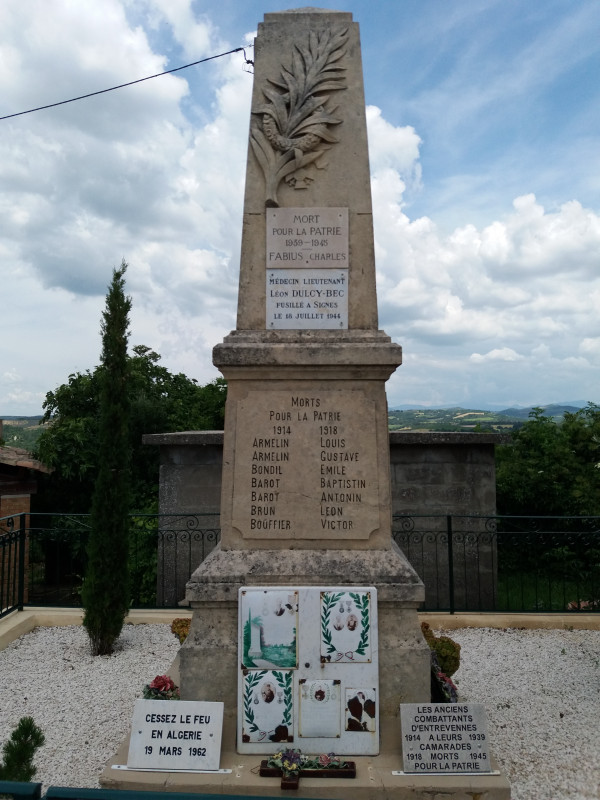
(270,623)
(267,706)
(308,669)
(320,702)
(345,626)
(361,709)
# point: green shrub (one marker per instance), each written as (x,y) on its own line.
(445,648)
(181,628)
(19,750)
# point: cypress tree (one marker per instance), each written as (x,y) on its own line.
(105,592)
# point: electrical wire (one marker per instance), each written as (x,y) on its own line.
(131,83)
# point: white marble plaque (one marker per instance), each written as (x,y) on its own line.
(174,735)
(319,704)
(307,237)
(307,298)
(445,738)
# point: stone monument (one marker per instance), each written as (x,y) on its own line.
(306,499)
(306,473)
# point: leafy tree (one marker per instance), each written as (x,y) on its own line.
(552,468)
(105,592)
(160,402)
(19,750)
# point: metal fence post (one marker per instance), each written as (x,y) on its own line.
(450,562)
(22,544)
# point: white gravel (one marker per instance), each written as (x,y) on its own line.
(541,690)
(82,703)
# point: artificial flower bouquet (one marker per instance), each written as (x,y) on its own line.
(161,688)
(291,765)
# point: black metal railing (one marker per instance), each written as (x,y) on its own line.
(13,554)
(43,557)
(504,564)
(467,563)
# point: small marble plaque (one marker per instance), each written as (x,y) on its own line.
(307,237)
(307,298)
(171,735)
(445,738)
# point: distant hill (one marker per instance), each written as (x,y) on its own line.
(24,431)
(556,410)
(33,420)
(462,419)
(21,431)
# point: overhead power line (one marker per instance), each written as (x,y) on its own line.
(130,83)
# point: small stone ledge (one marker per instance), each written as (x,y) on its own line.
(184,438)
(222,573)
(396,438)
(447,437)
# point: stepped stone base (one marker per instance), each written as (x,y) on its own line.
(373,777)
(209,655)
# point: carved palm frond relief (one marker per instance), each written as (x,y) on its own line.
(294,128)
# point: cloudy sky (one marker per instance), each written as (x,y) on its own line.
(484,127)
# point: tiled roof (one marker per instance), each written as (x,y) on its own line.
(17,457)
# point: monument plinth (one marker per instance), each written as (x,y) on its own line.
(306,483)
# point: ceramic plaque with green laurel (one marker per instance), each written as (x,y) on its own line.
(346,627)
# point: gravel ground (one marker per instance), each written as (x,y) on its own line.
(83,704)
(541,690)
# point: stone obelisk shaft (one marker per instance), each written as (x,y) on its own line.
(306,485)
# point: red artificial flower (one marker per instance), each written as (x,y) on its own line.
(162,683)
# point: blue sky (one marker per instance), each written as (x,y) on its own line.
(484,139)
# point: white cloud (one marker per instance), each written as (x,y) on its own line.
(393,148)
(504,308)
(590,349)
(195,36)
(502,354)
(10,376)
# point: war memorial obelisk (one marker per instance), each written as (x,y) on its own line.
(306,485)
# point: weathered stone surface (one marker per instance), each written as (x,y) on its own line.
(333,170)
(404,661)
(306,406)
(442,473)
(387,569)
(344,404)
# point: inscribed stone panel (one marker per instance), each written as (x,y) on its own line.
(306,466)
